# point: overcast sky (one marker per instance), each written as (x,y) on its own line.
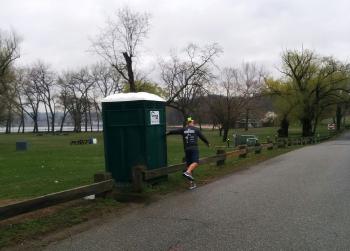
(58,31)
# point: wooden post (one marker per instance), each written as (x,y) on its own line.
(243,151)
(270,146)
(257,149)
(137,178)
(268,140)
(281,143)
(99,177)
(102,176)
(221,162)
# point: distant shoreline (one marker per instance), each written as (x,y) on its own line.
(43,129)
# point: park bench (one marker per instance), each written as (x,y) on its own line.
(80,142)
(84,141)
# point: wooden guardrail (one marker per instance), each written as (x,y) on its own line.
(30,205)
(221,156)
(141,174)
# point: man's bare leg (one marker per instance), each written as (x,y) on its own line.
(192,167)
(188,175)
(189,170)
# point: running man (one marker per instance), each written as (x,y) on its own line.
(190,136)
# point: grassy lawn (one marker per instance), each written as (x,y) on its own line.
(50,164)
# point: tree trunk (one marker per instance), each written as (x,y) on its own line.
(53,118)
(226,128)
(21,123)
(220,131)
(19,126)
(315,125)
(131,79)
(63,119)
(86,120)
(246,120)
(225,135)
(78,121)
(307,127)
(35,120)
(53,123)
(47,119)
(97,111)
(338,117)
(77,115)
(9,121)
(98,122)
(8,127)
(90,119)
(23,120)
(283,131)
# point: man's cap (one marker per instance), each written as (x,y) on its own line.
(189,119)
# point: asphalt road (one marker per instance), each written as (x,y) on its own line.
(297,201)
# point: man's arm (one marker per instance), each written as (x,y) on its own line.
(175,131)
(202,137)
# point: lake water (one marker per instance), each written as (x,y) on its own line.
(44,129)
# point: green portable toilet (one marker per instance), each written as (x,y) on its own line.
(134,129)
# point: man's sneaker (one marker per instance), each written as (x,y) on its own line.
(193,185)
(188,176)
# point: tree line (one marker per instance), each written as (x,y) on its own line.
(311,87)
(314,87)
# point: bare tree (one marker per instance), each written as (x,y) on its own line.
(78,85)
(185,79)
(46,80)
(64,99)
(32,96)
(227,105)
(251,78)
(84,83)
(119,41)
(106,80)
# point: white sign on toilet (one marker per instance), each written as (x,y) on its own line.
(154,117)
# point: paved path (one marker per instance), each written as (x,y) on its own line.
(297,201)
